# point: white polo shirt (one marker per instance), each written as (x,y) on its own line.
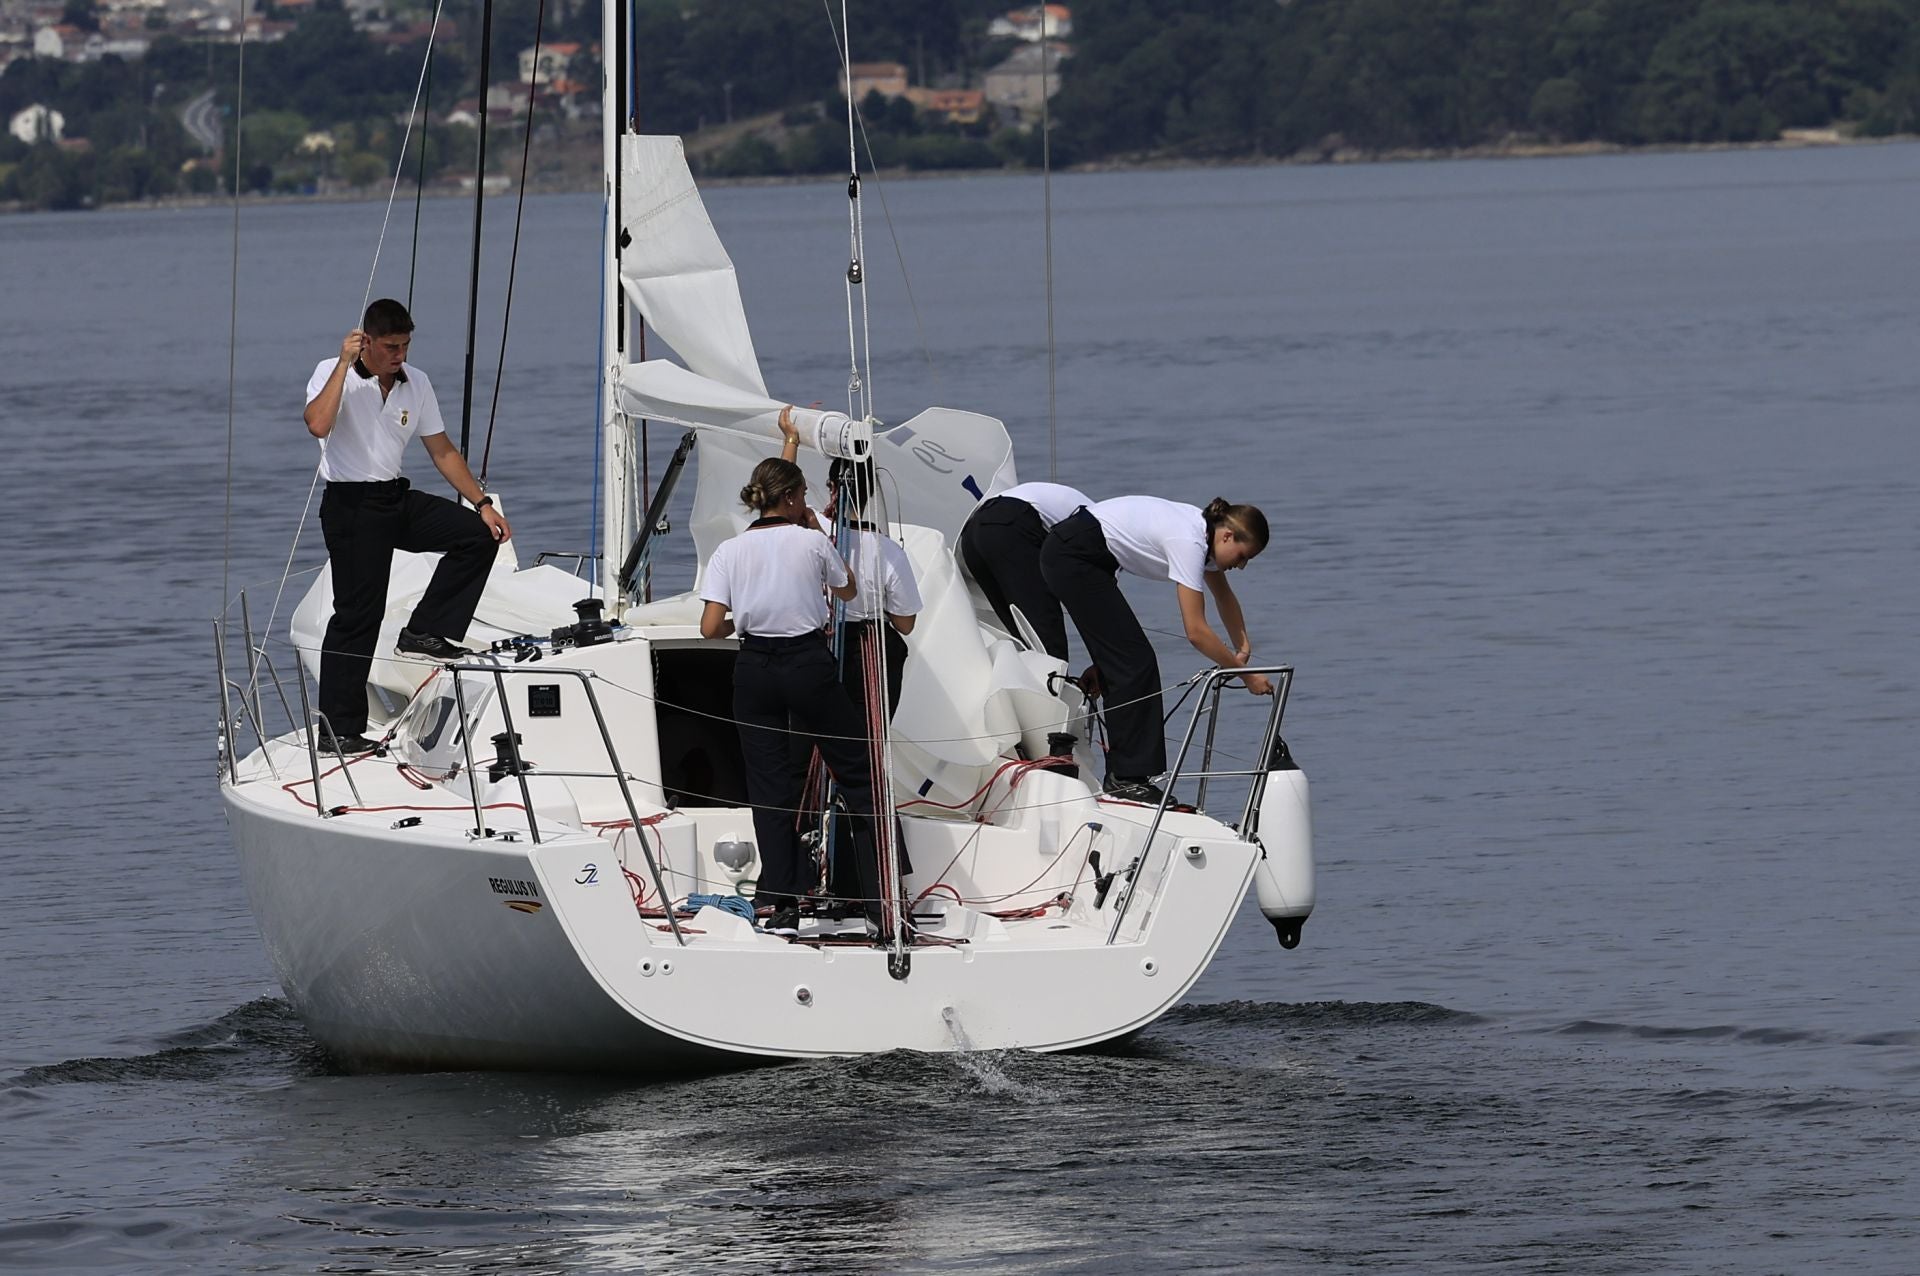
(1051,501)
(900,594)
(369,437)
(1156,539)
(773,579)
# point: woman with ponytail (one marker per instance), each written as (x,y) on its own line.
(774,578)
(1158,540)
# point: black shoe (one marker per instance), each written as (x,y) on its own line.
(429,645)
(349,745)
(1141,791)
(785,921)
(835,908)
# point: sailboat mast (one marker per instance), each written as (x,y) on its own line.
(615,496)
(479,200)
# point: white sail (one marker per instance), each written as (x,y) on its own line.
(934,468)
(937,466)
(674,268)
(739,429)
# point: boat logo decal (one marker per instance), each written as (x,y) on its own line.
(589,875)
(927,450)
(514,886)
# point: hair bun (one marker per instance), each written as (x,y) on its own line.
(1216,509)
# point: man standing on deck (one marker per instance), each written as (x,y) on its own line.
(363,407)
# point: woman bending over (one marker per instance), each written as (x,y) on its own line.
(1158,540)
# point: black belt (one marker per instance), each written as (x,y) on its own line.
(371,488)
(754,642)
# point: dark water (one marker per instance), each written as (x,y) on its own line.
(1594,490)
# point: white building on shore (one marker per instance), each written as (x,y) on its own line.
(37,123)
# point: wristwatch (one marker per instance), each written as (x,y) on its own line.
(482,503)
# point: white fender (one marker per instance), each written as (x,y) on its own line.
(1283,879)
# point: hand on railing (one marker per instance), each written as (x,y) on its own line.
(1257,683)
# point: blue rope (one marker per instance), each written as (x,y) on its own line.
(725,903)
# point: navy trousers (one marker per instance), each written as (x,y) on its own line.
(363,524)
(1084,575)
(1000,545)
(782,682)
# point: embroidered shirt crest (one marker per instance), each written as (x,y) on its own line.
(403,418)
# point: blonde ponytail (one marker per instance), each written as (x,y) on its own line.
(772,481)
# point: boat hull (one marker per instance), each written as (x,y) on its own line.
(422,948)
(418,953)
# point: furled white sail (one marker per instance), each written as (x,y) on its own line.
(739,429)
(663,391)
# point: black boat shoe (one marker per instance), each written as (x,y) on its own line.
(430,645)
(346,745)
(1142,791)
(785,921)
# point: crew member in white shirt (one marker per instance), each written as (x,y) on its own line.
(855,484)
(363,407)
(1157,540)
(774,578)
(887,593)
(1000,545)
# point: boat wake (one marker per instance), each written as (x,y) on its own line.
(264,1035)
(1317,1015)
(1730,1032)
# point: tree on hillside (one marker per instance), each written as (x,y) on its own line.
(1742,72)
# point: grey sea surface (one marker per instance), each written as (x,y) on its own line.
(1596,498)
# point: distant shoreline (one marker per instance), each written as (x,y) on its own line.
(1794,140)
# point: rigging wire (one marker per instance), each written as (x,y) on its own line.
(233,311)
(692,711)
(599,411)
(400,164)
(899,253)
(893,233)
(479,205)
(513,258)
(393,193)
(1046,188)
(420,179)
(859,390)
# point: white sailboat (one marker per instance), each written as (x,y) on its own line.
(507,885)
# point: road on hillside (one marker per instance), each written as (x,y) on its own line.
(201,119)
